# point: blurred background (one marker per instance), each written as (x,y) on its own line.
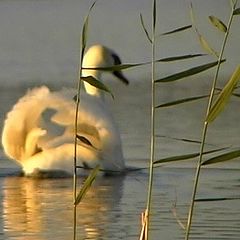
(40,39)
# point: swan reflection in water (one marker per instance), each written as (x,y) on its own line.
(41,209)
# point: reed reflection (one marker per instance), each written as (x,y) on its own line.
(42,208)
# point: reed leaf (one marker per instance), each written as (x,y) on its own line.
(145,29)
(84,33)
(224,96)
(192,16)
(236,11)
(181,101)
(185,156)
(223,157)
(218,23)
(177,30)
(236,94)
(154,16)
(87,184)
(179,139)
(176,158)
(216,199)
(120,67)
(96,83)
(84,140)
(85,28)
(203,42)
(189,72)
(205,45)
(233,3)
(181,57)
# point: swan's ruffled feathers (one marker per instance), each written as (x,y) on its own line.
(21,121)
(40,128)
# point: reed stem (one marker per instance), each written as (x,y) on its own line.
(152,156)
(79,84)
(205,127)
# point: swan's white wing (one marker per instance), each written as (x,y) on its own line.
(59,119)
(23,120)
(39,131)
(95,123)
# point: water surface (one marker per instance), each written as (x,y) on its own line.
(42,208)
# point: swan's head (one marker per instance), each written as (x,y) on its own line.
(99,56)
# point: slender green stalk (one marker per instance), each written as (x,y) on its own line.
(205,127)
(151,167)
(75,147)
(79,84)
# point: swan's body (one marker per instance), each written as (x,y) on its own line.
(39,131)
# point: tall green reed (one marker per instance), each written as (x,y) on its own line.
(213,109)
(76,198)
(146,215)
(174,77)
(211,113)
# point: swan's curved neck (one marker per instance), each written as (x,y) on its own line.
(88,87)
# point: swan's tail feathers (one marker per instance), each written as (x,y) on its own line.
(21,129)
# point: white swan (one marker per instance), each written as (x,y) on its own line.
(39,130)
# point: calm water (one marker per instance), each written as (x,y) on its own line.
(39,45)
(41,209)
